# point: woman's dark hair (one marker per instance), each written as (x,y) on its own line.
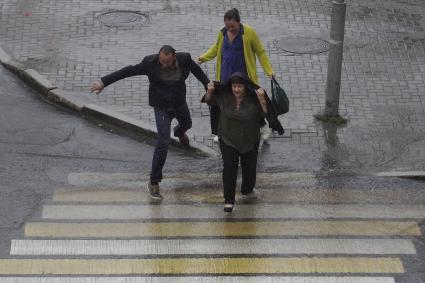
(232,14)
(237,80)
(240,78)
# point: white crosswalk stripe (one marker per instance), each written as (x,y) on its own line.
(242,211)
(212,246)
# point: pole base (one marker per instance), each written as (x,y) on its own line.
(331,119)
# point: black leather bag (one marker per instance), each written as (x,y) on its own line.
(280,101)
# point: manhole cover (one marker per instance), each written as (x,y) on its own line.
(302,45)
(123,18)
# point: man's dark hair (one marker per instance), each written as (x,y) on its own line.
(167,49)
(232,14)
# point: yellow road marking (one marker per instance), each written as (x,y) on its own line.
(264,228)
(199,266)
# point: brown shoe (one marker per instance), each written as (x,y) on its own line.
(184,140)
(154,191)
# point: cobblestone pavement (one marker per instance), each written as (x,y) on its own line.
(383,83)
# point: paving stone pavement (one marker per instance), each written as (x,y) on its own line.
(383,79)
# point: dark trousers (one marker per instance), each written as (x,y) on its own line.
(214,114)
(163,125)
(230,170)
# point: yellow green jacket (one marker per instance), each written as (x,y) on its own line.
(252,47)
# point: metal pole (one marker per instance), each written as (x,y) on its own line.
(333,85)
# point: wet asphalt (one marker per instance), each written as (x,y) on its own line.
(41,144)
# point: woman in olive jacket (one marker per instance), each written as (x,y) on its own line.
(242,106)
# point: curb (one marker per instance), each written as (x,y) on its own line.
(30,76)
(86,106)
(139,127)
(402,174)
(69,99)
(4,57)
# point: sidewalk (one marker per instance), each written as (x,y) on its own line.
(383,81)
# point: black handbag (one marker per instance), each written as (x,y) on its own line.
(280,101)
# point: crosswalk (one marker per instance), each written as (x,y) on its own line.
(94,232)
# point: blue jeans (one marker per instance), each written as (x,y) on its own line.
(163,125)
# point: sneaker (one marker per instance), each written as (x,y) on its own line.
(228,207)
(184,140)
(251,195)
(215,139)
(154,191)
(266,132)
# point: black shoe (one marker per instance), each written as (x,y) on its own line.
(250,196)
(184,140)
(228,207)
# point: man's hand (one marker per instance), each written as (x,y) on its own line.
(97,86)
(199,61)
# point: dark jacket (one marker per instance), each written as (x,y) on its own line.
(271,115)
(162,95)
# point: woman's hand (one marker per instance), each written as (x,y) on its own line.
(272,76)
(261,96)
(210,88)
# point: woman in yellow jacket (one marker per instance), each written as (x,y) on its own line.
(237,47)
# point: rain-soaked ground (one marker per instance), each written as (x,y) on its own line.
(58,171)
(73,43)
(317,182)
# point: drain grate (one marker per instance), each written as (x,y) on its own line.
(123,18)
(302,45)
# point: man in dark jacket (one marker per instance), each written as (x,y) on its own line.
(167,72)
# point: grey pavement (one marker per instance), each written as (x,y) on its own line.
(383,82)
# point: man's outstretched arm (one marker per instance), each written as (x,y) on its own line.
(129,71)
